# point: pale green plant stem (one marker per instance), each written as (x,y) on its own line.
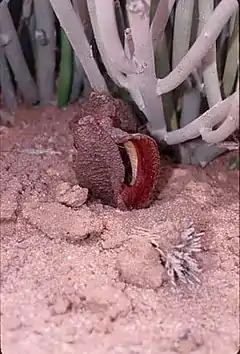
(74,29)
(182,30)
(45,52)
(200,48)
(139,18)
(232,60)
(13,52)
(8,92)
(106,24)
(160,20)
(228,127)
(209,62)
(209,119)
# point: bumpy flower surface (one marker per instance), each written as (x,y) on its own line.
(117,164)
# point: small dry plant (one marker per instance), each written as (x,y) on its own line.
(179,260)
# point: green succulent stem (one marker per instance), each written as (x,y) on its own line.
(66,71)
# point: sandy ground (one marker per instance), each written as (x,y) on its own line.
(79,277)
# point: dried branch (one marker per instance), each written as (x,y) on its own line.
(200,48)
(210,73)
(74,29)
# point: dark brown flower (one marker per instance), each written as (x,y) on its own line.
(118,166)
